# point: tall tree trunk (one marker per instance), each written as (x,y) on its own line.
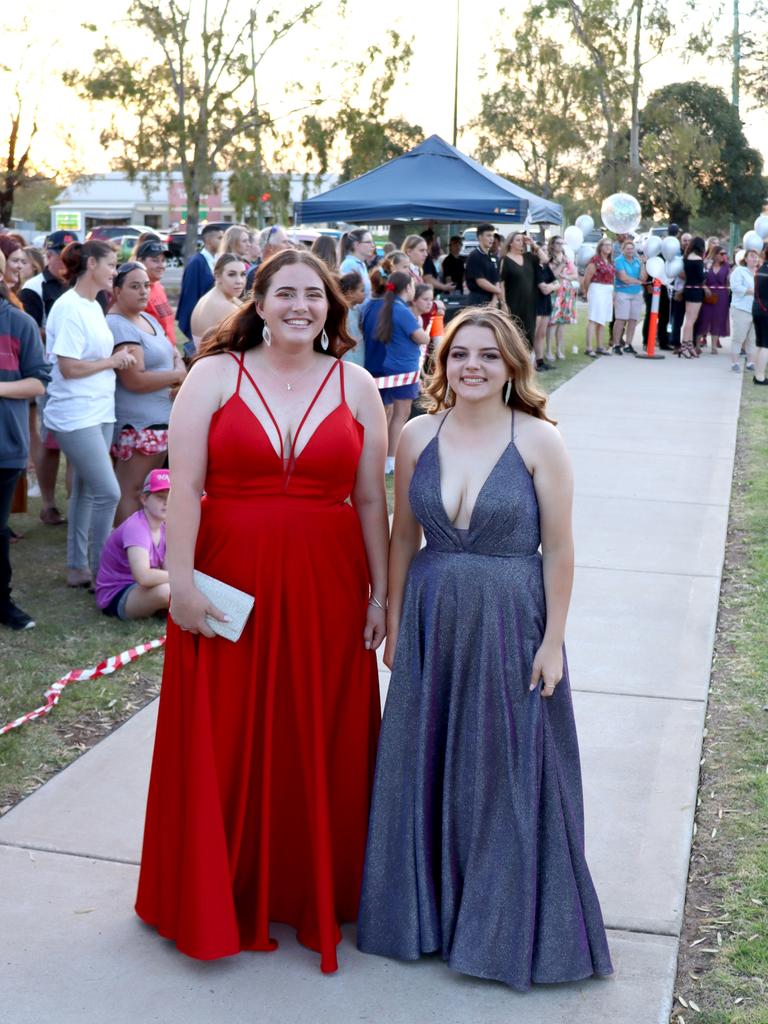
(634,128)
(193,212)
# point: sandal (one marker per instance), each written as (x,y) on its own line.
(591,353)
(602,352)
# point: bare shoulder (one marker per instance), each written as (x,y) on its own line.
(357,380)
(539,442)
(418,432)
(213,378)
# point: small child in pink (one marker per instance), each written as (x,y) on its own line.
(132,582)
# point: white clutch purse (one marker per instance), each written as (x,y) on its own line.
(233,602)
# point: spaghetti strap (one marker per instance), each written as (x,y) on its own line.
(310,407)
(241,363)
(442,421)
(341,381)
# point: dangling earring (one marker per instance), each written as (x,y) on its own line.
(507,391)
(447,393)
(266,335)
(324,342)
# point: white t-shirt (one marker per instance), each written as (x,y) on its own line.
(76,328)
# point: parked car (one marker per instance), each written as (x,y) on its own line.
(175,240)
(114,232)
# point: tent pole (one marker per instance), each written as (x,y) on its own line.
(456,76)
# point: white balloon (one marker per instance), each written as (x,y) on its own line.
(675,267)
(585,252)
(761,225)
(752,240)
(585,224)
(568,252)
(655,266)
(621,213)
(670,247)
(573,236)
(652,246)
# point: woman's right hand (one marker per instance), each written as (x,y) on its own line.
(121,360)
(189,608)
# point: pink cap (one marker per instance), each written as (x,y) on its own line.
(157,480)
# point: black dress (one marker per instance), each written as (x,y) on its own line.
(693,271)
(520,291)
(544,275)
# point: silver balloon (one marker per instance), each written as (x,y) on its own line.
(655,267)
(670,247)
(568,253)
(652,246)
(621,213)
(761,225)
(752,240)
(573,236)
(585,252)
(585,224)
(675,267)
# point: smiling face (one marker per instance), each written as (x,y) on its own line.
(131,292)
(295,306)
(628,250)
(475,367)
(155,266)
(15,265)
(231,279)
(752,260)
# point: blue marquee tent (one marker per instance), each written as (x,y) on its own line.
(433,181)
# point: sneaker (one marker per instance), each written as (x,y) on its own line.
(629,350)
(15,618)
(749,366)
(618,350)
(735,368)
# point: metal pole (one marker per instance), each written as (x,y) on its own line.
(735,94)
(456,76)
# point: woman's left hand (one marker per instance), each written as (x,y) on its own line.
(547,668)
(375,627)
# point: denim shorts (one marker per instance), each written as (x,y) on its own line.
(116,607)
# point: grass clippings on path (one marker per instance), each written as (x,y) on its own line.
(723,966)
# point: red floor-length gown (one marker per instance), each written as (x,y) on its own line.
(264,753)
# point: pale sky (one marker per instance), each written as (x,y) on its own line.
(423,96)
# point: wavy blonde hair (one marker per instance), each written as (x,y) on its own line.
(524,394)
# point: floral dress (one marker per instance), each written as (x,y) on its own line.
(564,301)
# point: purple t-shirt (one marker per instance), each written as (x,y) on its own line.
(114,573)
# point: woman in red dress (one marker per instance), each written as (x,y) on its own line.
(264,754)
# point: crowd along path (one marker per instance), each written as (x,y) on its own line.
(653,447)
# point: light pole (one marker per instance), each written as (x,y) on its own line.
(456,76)
(735,95)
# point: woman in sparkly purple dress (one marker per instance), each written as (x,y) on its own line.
(476,839)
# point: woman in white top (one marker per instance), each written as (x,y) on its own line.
(742,297)
(81,402)
(229,274)
(356,250)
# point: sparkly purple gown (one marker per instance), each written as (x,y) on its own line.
(476,839)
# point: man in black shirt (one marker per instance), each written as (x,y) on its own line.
(482,272)
(453,264)
(40,292)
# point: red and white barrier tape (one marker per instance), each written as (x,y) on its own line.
(397,380)
(53,694)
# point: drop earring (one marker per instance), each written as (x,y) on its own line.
(447,393)
(507,391)
(324,342)
(266,335)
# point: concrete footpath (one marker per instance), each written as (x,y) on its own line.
(652,446)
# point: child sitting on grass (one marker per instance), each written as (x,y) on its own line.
(132,582)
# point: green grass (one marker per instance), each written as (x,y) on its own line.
(71,633)
(728,888)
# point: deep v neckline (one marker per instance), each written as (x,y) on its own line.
(436,441)
(288,464)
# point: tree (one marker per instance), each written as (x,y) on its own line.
(538,114)
(365,136)
(676,156)
(202,80)
(729,178)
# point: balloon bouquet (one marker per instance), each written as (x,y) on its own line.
(758,238)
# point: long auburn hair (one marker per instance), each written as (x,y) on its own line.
(524,394)
(242,330)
